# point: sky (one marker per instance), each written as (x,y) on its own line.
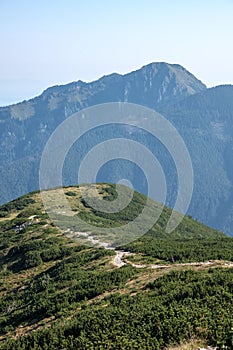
(51,42)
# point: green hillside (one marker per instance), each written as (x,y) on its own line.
(160,291)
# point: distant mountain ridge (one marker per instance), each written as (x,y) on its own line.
(152,85)
(202,116)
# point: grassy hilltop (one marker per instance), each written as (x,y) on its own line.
(58,292)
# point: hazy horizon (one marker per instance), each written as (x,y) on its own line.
(53,43)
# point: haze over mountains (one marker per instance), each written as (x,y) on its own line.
(202,116)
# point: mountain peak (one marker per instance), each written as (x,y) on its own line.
(176,72)
(154,84)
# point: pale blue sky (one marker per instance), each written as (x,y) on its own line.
(48,42)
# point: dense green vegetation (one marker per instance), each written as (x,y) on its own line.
(60,289)
(184,250)
(170,309)
(58,294)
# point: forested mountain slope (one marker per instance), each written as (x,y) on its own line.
(26,127)
(202,116)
